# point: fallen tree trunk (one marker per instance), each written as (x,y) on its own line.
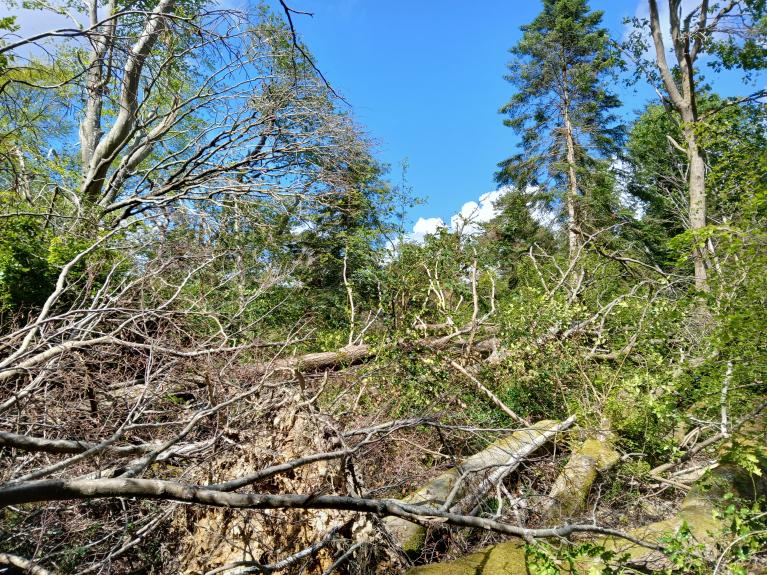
(696,512)
(21,565)
(361,352)
(315,361)
(468,483)
(572,487)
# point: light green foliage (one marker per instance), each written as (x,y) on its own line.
(743,535)
(7,23)
(432,281)
(733,138)
(745,531)
(510,234)
(644,412)
(745,51)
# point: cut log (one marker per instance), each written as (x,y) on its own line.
(468,483)
(696,512)
(572,487)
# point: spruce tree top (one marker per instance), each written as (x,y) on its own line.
(563,62)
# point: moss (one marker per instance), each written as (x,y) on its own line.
(415,539)
(572,487)
(507,558)
(697,512)
(728,478)
(503,559)
(600,451)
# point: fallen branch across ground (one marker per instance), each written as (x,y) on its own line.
(61,490)
(351,354)
(714,439)
(462,488)
(494,398)
(22,564)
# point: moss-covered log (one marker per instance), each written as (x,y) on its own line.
(572,487)
(696,512)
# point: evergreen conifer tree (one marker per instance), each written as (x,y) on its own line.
(563,111)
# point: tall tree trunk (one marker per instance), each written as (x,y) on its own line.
(99,149)
(572,199)
(98,76)
(683,99)
(697,190)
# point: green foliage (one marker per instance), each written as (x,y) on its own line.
(733,138)
(746,50)
(644,413)
(561,71)
(514,231)
(343,237)
(6,23)
(629,346)
(545,559)
(745,454)
(745,531)
(685,553)
(743,536)
(27,275)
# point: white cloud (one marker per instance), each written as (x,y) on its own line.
(467,221)
(424,227)
(471,216)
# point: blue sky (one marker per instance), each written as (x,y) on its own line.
(425,78)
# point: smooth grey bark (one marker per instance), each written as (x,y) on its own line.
(97,78)
(63,490)
(687,44)
(99,152)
